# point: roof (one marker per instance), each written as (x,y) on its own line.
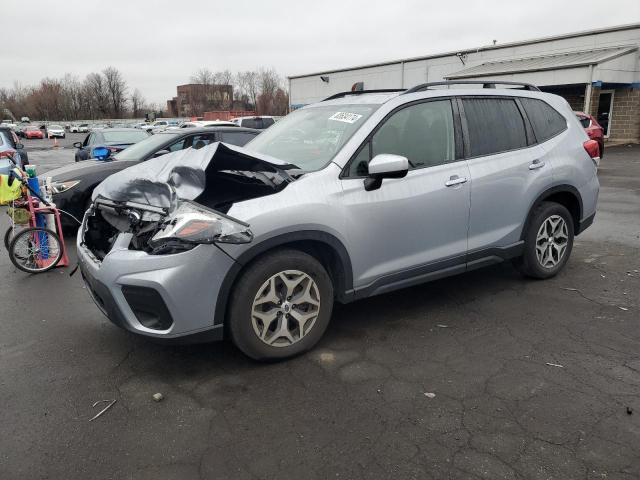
(582,33)
(543,62)
(211,128)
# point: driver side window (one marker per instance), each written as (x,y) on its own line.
(179,145)
(422,132)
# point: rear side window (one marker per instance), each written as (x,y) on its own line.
(267,122)
(251,122)
(237,138)
(495,125)
(546,122)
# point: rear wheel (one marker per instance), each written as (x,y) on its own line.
(548,241)
(280,306)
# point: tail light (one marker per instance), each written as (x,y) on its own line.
(593,149)
(7,153)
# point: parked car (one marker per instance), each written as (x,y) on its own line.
(79,128)
(10,146)
(258,122)
(73,184)
(593,128)
(97,126)
(31,131)
(205,123)
(355,196)
(56,131)
(115,139)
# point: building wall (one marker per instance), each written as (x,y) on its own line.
(625,119)
(405,74)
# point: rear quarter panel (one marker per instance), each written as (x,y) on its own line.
(571,163)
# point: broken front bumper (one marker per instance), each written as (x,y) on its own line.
(161,296)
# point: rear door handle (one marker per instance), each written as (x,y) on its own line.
(455,180)
(536,164)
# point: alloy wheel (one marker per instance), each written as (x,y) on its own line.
(285,308)
(551,241)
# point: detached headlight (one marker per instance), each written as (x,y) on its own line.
(59,187)
(195,224)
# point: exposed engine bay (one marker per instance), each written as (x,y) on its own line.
(175,202)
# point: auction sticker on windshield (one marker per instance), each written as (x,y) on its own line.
(345,117)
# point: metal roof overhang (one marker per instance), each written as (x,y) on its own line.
(566,60)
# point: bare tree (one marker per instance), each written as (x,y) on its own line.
(96,95)
(269,82)
(252,86)
(204,76)
(137,103)
(117,90)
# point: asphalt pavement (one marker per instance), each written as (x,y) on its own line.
(481,376)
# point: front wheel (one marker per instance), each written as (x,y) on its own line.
(35,250)
(9,234)
(548,241)
(280,306)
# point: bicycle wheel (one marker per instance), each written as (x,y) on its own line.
(35,250)
(9,234)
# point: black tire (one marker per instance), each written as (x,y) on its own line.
(8,236)
(20,260)
(240,318)
(529,264)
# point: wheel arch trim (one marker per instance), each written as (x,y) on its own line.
(344,290)
(563,188)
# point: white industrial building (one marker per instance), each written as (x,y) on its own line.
(597,71)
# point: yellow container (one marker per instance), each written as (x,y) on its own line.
(9,193)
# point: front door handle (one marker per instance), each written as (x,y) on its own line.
(536,164)
(455,180)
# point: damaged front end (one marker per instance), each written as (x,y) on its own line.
(178,201)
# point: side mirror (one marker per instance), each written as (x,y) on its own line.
(159,153)
(77,144)
(385,165)
(19,146)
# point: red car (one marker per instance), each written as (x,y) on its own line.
(33,132)
(593,129)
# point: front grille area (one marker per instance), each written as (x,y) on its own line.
(99,235)
(148,307)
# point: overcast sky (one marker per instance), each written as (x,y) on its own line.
(158,44)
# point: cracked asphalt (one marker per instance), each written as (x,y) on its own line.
(481,376)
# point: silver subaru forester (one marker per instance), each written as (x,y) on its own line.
(357,195)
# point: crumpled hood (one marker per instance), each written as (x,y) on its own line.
(186,174)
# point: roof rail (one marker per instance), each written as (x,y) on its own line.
(360,92)
(484,83)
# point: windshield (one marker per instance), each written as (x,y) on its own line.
(31,128)
(309,138)
(132,136)
(146,147)
(55,127)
